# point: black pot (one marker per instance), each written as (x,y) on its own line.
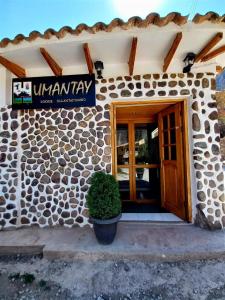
(105,230)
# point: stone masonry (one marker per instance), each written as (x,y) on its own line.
(47,157)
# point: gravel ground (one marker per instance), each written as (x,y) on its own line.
(37,278)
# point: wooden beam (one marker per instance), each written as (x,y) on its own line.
(133,50)
(12,67)
(171,52)
(215,40)
(214,53)
(56,69)
(88,58)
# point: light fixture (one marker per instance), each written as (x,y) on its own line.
(189,61)
(99,67)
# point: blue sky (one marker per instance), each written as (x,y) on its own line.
(24,16)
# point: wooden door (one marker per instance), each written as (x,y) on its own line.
(171,159)
(135,171)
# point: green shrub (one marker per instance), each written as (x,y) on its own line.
(103,197)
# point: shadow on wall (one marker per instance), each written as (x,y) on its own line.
(220,98)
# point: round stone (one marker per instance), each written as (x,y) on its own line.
(125,93)
(100,97)
(201,196)
(213,115)
(95,160)
(45,179)
(196,125)
(78,117)
(150,93)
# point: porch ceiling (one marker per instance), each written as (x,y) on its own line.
(113,48)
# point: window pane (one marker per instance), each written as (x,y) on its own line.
(173,153)
(173,136)
(124,183)
(147,184)
(172,120)
(166,153)
(141,144)
(122,144)
(165,136)
(165,123)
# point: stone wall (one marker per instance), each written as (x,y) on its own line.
(9,166)
(46,178)
(220,99)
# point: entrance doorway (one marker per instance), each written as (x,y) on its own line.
(150,157)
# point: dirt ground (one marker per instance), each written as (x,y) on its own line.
(36,278)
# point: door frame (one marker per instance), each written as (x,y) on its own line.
(186,156)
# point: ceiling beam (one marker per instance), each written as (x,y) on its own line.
(214,53)
(56,69)
(12,67)
(171,52)
(215,40)
(88,58)
(133,50)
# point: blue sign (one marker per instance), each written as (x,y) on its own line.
(53,92)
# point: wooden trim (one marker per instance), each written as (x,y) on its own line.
(171,52)
(113,137)
(121,103)
(132,55)
(88,58)
(56,69)
(131,161)
(187,163)
(215,40)
(214,53)
(12,67)
(141,120)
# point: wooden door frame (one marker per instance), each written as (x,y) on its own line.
(187,170)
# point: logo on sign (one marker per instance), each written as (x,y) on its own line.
(22,92)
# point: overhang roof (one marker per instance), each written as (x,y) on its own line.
(112,43)
(152,18)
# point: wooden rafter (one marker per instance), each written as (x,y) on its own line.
(215,40)
(214,53)
(12,67)
(56,69)
(132,55)
(171,52)
(88,58)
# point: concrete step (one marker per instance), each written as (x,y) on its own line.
(142,241)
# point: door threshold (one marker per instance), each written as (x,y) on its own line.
(150,217)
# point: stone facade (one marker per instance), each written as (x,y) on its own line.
(47,157)
(220,99)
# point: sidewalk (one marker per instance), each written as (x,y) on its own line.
(133,241)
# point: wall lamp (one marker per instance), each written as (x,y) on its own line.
(99,67)
(189,61)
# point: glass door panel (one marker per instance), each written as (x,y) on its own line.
(146,144)
(122,144)
(147,183)
(123,178)
(141,144)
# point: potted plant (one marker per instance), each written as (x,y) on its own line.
(103,200)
